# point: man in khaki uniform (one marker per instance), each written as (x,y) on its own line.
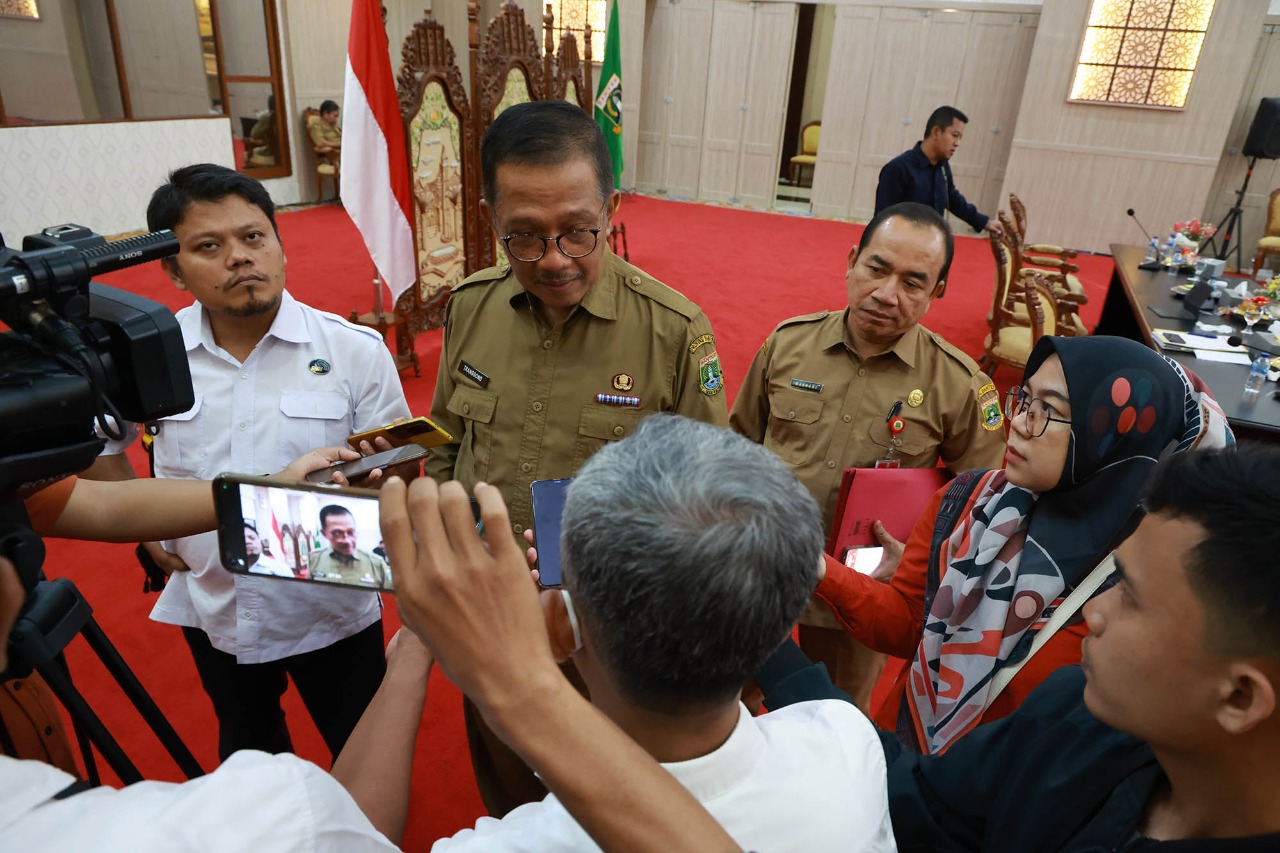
(820,391)
(559,350)
(343,561)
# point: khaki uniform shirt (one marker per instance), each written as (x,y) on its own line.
(361,568)
(322,132)
(527,402)
(814,402)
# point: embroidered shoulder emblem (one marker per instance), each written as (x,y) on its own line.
(710,376)
(989,407)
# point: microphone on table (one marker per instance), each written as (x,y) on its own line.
(1134,217)
(1237,341)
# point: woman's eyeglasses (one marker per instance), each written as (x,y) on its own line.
(1019,402)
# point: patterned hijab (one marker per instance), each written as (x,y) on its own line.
(1017,553)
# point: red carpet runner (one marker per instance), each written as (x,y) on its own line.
(747,270)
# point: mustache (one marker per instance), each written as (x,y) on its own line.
(241,279)
(556,279)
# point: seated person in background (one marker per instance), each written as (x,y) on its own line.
(687,553)
(257,560)
(1087,425)
(326,134)
(819,389)
(343,560)
(1168,734)
(263,139)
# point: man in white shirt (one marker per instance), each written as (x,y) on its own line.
(688,554)
(273,378)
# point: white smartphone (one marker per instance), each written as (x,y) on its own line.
(863,560)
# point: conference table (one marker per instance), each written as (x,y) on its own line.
(1140,300)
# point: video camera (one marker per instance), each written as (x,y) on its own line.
(76,352)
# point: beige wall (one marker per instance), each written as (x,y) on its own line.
(1078,167)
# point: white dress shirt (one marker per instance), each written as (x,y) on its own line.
(807,777)
(254,801)
(312,381)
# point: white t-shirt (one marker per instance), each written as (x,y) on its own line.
(313,380)
(254,801)
(807,777)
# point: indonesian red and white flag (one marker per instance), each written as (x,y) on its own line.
(375,167)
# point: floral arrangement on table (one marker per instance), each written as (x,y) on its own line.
(1271,289)
(1195,232)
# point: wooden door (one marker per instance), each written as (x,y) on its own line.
(726,102)
(773,38)
(844,109)
(673,95)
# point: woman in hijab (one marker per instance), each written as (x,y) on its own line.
(1088,424)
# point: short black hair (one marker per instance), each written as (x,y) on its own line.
(917,214)
(1233,493)
(328,106)
(331,510)
(943,117)
(204,182)
(543,133)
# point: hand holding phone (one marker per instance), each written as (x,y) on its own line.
(356,468)
(420,431)
(548,507)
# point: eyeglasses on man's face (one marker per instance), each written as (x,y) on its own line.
(577,243)
(1019,402)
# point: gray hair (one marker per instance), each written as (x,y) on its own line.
(690,552)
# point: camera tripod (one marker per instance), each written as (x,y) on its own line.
(1231,223)
(54,614)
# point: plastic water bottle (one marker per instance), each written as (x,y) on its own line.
(1257,374)
(1170,252)
(1153,251)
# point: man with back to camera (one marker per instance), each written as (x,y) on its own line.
(686,552)
(280,802)
(1167,736)
(923,173)
(342,560)
(273,378)
(821,388)
(560,349)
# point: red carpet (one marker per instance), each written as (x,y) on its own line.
(747,270)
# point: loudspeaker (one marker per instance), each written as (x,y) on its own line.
(1264,133)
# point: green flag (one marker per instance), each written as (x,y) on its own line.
(609,96)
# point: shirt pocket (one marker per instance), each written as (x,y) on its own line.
(476,408)
(598,425)
(180,448)
(919,448)
(794,426)
(316,418)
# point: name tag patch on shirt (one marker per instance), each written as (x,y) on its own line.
(319,366)
(474,374)
(806,385)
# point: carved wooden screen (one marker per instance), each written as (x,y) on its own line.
(506,68)
(438,133)
(568,77)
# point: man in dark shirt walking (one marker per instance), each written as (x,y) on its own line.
(923,174)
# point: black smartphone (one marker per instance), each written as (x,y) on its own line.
(548,506)
(420,431)
(321,534)
(359,467)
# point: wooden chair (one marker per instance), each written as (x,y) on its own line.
(1068,292)
(808,155)
(1269,244)
(1043,255)
(327,166)
(1009,343)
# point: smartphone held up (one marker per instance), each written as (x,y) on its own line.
(319,534)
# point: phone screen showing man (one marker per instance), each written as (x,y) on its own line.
(548,507)
(318,535)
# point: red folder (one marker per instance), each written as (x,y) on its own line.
(893,496)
